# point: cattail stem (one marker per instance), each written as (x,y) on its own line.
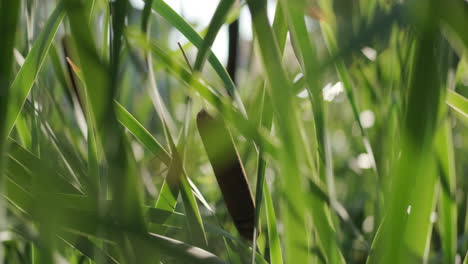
(229,172)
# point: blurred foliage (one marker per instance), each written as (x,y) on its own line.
(348,120)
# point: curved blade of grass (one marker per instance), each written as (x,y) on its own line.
(457,102)
(215,25)
(25,78)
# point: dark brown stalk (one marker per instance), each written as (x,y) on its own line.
(229,172)
(233,49)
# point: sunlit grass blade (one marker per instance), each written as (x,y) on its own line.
(458,103)
(23,131)
(140,132)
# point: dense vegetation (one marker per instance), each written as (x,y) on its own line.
(337,134)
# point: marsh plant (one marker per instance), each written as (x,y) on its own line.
(285,131)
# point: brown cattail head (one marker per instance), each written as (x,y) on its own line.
(229,172)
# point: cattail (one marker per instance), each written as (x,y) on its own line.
(229,172)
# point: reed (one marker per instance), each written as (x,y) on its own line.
(336,134)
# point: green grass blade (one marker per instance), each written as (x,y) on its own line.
(447,205)
(458,103)
(280,27)
(262,193)
(215,25)
(194,218)
(145,17)
(273,236)
(25,78)
(23,131)
(9,12)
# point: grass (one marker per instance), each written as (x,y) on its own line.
(103,159)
